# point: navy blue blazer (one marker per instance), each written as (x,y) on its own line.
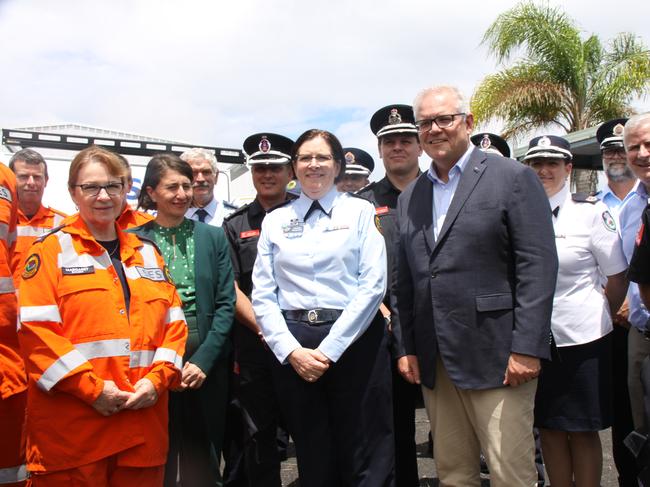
(485,287)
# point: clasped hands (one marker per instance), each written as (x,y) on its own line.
(113,399)
(308,363)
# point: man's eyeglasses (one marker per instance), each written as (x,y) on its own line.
(319,158)
(617,152)
(91,189)
(442,121)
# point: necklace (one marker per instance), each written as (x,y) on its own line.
(116,246)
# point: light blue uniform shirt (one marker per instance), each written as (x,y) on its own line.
(613,202)
(630,222)
(335,262)
(443,192)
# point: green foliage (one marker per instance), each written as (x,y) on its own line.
(559,78)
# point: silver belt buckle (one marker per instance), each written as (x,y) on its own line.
(312,315)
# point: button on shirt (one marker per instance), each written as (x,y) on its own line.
(587,244)
(630,222)
(216,212)
(443,192)
(335,262)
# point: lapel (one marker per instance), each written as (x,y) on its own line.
(421,202)
(473,171)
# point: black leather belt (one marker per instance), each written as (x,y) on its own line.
(316,316)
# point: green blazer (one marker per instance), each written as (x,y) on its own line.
(215,292)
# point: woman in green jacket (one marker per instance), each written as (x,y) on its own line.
(198,259)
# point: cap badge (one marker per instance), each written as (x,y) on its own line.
(618,129)
(394,117)
(349,158)
(486,142)
(264,144)
(544,142)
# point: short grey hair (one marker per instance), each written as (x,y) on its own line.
(199,153)
(633,123)
(28,156)
(463,101)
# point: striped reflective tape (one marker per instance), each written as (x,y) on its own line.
(4,231)
(40,313)
(168,355)
(141,358)
(60,368)
(148,255)
(11,475)
(70,258)
(174,314)
(6,285)
(29,231)
(117,347)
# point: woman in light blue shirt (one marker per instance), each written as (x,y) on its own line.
(319,278)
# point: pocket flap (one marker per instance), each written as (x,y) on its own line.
(494,302)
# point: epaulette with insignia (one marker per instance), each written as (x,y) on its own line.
(584,198)
(239,211)
(53,230)
(229,205)
(367,187)
(361,198)
(279,205)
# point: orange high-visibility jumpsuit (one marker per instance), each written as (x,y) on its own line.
(75,333)
(12,372)
(28,230)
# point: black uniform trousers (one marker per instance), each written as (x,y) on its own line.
(405,399)
(342,423)
(253,458)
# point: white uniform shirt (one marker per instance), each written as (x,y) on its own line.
(335,262)
(217,211)
(587,244)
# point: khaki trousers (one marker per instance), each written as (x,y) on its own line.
(497,421)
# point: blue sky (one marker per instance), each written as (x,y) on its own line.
(211,72)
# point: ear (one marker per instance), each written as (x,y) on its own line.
(71,191)
(150,191)
(379,148)
(338,169)
(469,120)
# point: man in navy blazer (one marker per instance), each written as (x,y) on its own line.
(473,294)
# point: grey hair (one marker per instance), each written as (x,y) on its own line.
(198,153)
(633,123)
(463,102)
(28,156)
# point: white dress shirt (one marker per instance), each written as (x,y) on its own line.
(216,212)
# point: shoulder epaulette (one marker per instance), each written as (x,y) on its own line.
(227,204)
(239,211)
(584,198)
(356,195)
(367,187)
(52,231)
(279,205)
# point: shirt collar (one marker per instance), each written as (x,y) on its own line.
(40,213)
(327,202)
(457,168)
(210,208)
(559,198)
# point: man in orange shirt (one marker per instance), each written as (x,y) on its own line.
(34,219)
(12,372)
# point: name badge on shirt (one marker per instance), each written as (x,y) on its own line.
(382,210)
(249,234)
(75,271)
(337,227)
(293,229)
(151,273)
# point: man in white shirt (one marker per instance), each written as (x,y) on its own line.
(205,207)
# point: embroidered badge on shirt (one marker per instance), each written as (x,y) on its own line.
(151,273)
(168,275)
(608,220)
(5,194)
(74,271)
(293,229)
(382,210)
(32,264)
(378,224)
(249,234)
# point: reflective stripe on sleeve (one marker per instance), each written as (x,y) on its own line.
(59,369)
(168,355)
(117,347)
(11,475)
(4,231)
(28,231)
(6,285)
(40,313)
(141,358)
(174,314)
(148,255)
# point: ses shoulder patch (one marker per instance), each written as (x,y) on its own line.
(5,194)
(32,265)
(608,220)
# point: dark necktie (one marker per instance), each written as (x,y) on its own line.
(315,206)
(555,211)
(201,213)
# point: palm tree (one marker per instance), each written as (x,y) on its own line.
(561,80)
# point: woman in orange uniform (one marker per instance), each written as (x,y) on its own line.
(102,333)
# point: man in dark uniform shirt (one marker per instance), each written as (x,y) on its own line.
(253,458)
(400,149)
